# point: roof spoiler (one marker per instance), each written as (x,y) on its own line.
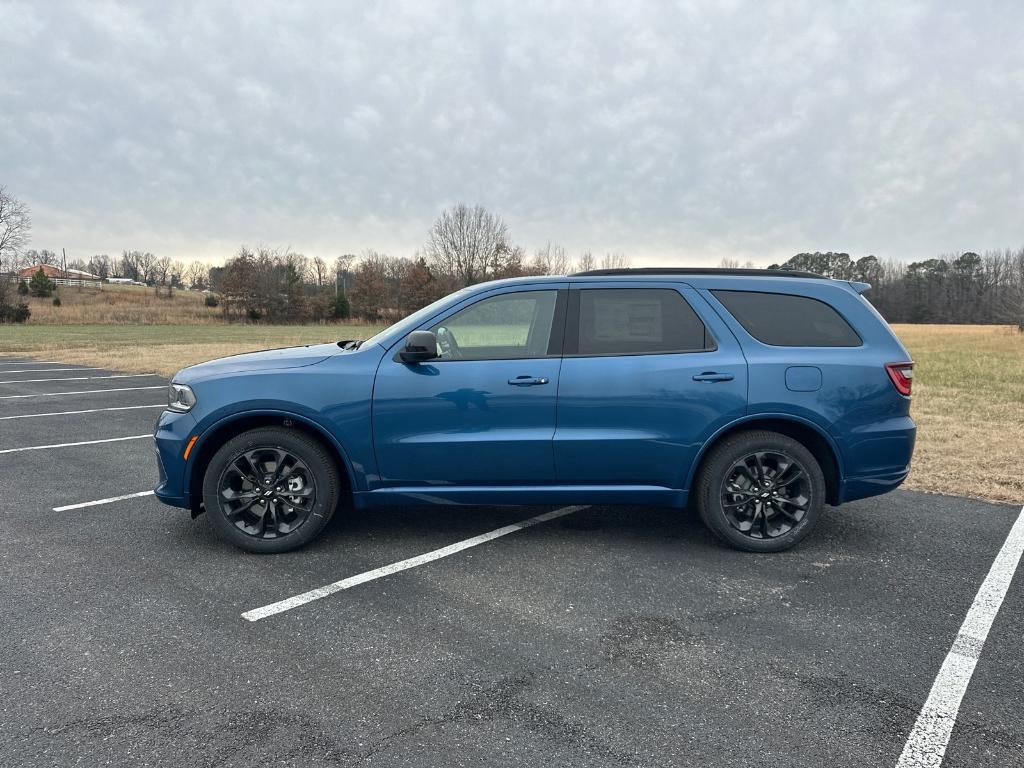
(859,287)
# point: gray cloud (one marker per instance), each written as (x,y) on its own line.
(675,132)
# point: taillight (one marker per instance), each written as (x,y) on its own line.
(902,375)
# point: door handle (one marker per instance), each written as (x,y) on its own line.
(712,376)
(527,381)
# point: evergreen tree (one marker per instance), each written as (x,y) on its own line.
(341,309)
(40,285)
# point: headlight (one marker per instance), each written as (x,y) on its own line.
(180,397)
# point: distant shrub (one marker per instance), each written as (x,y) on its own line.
(56,301)
(14,313)
(22,288)
(255,314)
(211,300)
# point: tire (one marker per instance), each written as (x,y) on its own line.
(279,516)
(760,510)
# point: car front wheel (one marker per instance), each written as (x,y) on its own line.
(760,491)
(270,490)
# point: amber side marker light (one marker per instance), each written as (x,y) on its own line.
(188,448)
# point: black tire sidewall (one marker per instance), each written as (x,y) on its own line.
(317,459)
(721,460)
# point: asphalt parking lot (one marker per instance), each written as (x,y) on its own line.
(602,637)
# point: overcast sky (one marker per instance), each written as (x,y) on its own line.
(674,132)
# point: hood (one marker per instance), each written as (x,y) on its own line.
(268,360)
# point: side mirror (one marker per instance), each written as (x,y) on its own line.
(420,346)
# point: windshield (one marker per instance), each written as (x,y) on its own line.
(417,317)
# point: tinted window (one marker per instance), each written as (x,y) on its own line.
(623,321)
(511,325)
(785,320)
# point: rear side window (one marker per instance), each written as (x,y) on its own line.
(630,321)
(785,320)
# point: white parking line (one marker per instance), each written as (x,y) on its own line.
(82,392)
(320,592)
(87,410)
(53,370)
(926,744)
(81,378)
(111,500)
(68,445)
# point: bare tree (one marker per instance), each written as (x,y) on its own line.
(177,273)
(343,273)
(137,265)
(129,265)
(147,265)
(615,261)
(15,226)
(586,262)
(296,262)
(320,272)
(99,265)
(467,244)
(728,263)
(161,270)
(40,257)
(550,260)
(197,275)
(344,262)
(1010,307)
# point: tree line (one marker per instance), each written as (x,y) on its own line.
(468,244)
(954,288)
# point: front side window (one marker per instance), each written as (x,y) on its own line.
(630,321)
(787,320)
(505,327)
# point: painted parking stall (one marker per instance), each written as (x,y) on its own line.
(80,406)
(56,439)
(597,636)
(80,412)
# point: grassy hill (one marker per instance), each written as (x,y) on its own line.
(121,304)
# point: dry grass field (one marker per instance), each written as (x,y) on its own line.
(968,389)
(123,305)
(969,408)
(162,349)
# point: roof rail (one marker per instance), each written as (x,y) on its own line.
(697,271)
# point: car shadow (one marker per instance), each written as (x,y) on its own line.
(458,522)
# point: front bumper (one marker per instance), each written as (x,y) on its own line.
(171,436)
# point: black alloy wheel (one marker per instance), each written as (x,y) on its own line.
(766,494)
(267,492)
(760,491)
(271,489)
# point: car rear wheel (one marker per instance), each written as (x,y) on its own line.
(760,491)
(270,490)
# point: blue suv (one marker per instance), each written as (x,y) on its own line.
(756,396)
